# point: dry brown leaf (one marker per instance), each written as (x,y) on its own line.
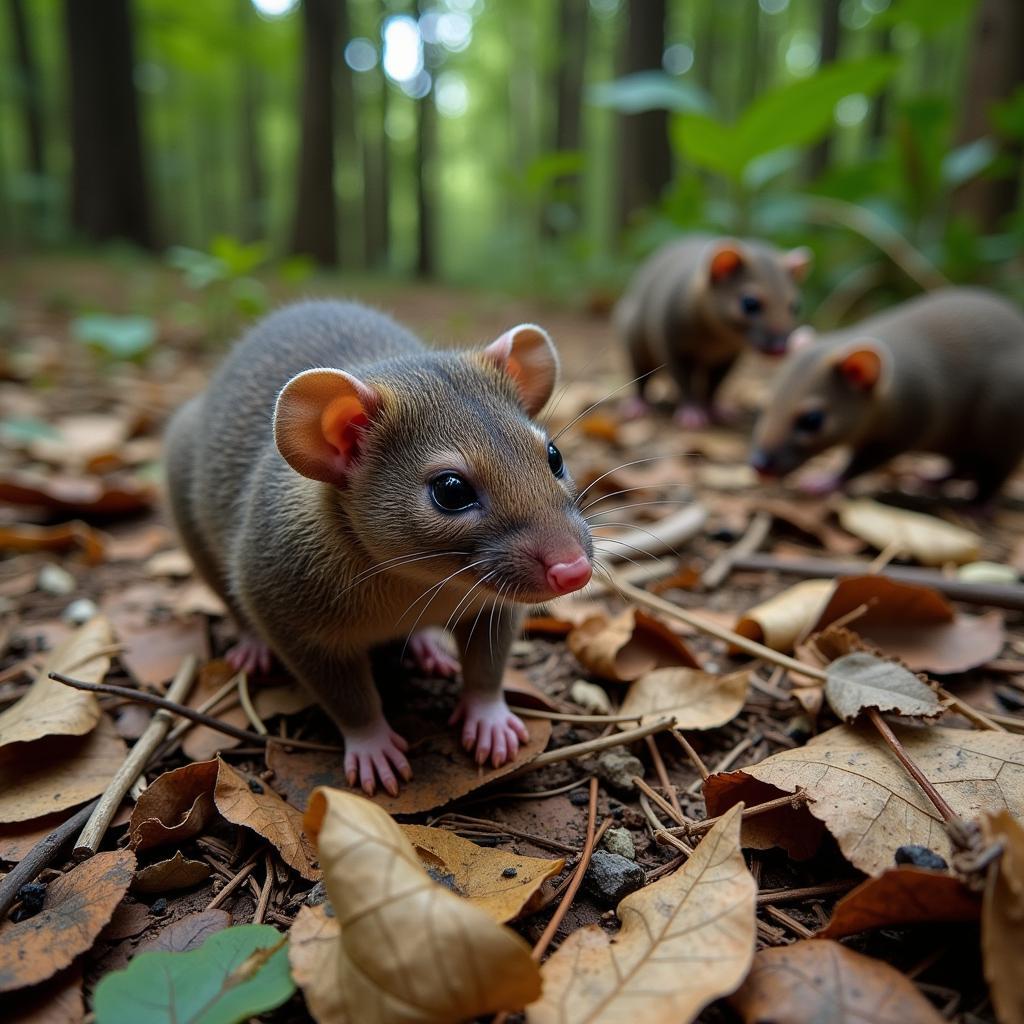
(188,932)
(860,681)
(500,883)
(899,897)
(52,709)
(133,544)
(1002,918)
(75,909)
(129,919)
(58,1000)
(119,494)
(170,875)
(562,617)
(696,699)
(866,799)
(176,806)
(442,770)
(409,951)
(685,939)
(58,772)
(65,537)
(196,598)
(175,563)
(255,805)
(520,692)
(781,620)
(628,646)
(819,980)
(313,954)
(19,837)
(926,539)
(80,438)
(811,517)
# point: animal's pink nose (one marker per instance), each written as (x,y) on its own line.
(565,577)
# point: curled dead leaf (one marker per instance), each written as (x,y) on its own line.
(928,540)
(500,883)
(170,875)
(313,953)
(1002,917)
(859,681)
(696,699)
(64,537)
(702,913)
(409,950)
(781,620)
(176,806)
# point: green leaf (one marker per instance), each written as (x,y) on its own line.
(649,90)
(234,975)
(928,16)
(239,257)
(121,337)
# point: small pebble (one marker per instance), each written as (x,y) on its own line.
(80,611)
(920,857)
(617,766)
(54,580)
(611,878)
(509,872)
(579,797)
(591,697)
(159,906)
(618,840)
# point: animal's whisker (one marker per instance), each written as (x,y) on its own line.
(639,529)
(612,582)
(395,563)
(621,490)
(594,405)
(467,596)
(637,504)
(626,465)
(433,591)
(623,543)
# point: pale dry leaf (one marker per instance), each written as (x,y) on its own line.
(75,909)
(409,950)
(865,797)
(1002,918)
(176,806)
(562,616)
(255,805)
(500,883)
(53,709)
(180,872)
(313,955)
(781,620)
(859,681)
(58,772)
(686,939)
(696,699)
(174,563)
(819,980)
(926,539)
(117,494)
(196,598)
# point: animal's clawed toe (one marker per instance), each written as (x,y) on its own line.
(376,754)
(249,654)
(430,655)
(491,728)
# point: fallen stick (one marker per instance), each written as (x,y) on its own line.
(660,537)
(754,536)
(134,764)
(997,595)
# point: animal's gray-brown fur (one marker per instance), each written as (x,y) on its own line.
(299,560)
(942,373)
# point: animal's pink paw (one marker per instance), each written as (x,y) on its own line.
(374,754)
(634,408)
(724,413)
(429,654)
(249,654)
(691,417)
(818,485)
(489,725)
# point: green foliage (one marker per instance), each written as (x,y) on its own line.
(234,975)
(650,90)
(116,337)
(928,16)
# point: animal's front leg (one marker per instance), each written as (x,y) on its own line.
(488,724)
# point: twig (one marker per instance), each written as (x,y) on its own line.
(807,892)
(243,873)
(664,535)
(268,888)
(534,794)
(642,572)
(753,537)
(566,716)
(134,764)
(972,714)
(794,800)
(39,857)
(790,922)
(500,828)
(695,759)
(666,782)
(677,816)
(904,758)
(231,686)
(247,706)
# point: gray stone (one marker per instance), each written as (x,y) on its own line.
(55,580)
(619,841)
(80,611)
(316,895)
(611,878)
(617,766)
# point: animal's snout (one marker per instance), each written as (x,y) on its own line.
(568,574)
(763,463)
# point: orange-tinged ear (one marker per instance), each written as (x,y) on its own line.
(527,354)
(861,367)
(319,420)
(725,261)
(798,262)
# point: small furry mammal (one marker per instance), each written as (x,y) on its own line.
(696,304)
(341,486)
(942,373)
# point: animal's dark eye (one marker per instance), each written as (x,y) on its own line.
(809,422)
(751,304)
(450,493)
(555,460)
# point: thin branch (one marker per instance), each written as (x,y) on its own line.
(753,537)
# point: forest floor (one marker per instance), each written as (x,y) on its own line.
(83,533)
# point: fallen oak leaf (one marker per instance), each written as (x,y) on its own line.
(703,913)
(696,699)
(500,883)
(188,932)
(902,896)
(860,682)
(313,953)
(170,875)
(443,960)
(76,907)
(1002,917)
(819,980)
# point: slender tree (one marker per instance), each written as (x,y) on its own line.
(645,159)
(29,89)
(109,197)
(820,155)
(426,156)
(352,227)
(253,185)
(315,230)
(995,70)
(377,179)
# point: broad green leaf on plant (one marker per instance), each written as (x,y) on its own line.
(234,975)
(239,257)
(120,337)
(858,682)
(927,16)
(549,167)
(795,114)
(649,90)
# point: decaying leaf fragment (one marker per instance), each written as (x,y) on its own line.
(175,807)
(820,980)
(781,620)
(498,882)
(313,954)
(696,699)
(685,939)
(409,950)
(180,872)
(929,540)
(859,682)
(1002,918)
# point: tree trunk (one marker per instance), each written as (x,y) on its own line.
(749,77)
(880,107)
(426,148)
(28,88)
(352,226)
(253,191)
(994,70)
(315,229)
(377,185)
(108,186)
(645,160)
(820,155)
